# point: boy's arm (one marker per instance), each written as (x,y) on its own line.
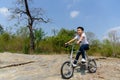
(71,41)
(81,38)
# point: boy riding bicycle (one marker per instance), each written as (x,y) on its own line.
(82,41)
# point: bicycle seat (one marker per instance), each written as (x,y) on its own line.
(87,48)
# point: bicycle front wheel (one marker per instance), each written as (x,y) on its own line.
(67,70)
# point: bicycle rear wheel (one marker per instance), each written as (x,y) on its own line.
(92,66)
(67,70)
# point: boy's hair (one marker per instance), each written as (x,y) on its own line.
(80,28)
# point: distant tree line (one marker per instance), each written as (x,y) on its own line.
(19,42)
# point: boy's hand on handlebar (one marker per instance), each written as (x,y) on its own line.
(66,44)
(78,42)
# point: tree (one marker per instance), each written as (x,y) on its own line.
(114,38)
(61,38)
(91,37)
(33,16)
(1,29)
(39,34)
(54,31)
(23,32)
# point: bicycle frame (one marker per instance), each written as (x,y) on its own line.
(71,54)
(72,51)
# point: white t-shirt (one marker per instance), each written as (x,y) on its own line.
(84,41)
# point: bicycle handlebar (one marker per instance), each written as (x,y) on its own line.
(67,45)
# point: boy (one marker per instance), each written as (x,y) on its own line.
(82,41)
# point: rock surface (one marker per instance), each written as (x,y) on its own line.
(47,67)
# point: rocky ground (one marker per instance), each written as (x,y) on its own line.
(47,67)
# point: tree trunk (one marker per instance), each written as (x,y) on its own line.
(32,43)
(31,20)
(30,23)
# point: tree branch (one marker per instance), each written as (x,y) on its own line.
(18,11)
(41,20)
(27,10)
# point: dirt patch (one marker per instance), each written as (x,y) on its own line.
(47,67)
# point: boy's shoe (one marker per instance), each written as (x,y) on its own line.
(74,65)
(83,60)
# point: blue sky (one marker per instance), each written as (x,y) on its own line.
(97,16)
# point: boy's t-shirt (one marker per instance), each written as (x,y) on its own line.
(84,41)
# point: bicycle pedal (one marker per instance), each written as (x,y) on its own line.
(83,62)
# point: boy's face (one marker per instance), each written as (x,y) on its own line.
(79,31)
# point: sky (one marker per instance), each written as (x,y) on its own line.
(97,16)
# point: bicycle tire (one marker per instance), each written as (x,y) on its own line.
(92,68)
(69,74)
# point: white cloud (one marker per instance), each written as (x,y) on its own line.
(114,29)
(4,11)
(74,14)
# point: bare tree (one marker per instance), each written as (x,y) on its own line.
(54,31)
(31,16)
(1,29)
(91,37)
(114,39)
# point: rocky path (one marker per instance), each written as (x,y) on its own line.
(47,67)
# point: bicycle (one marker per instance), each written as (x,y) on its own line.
(67,68)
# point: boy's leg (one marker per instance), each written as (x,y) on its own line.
(82,51)
(77,57)
(83,48)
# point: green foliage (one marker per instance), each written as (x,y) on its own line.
(95,47)
(10,42)
(26,46)
(106,48)
(5,37)
(56,43)
(61,38)
(38,34)
(23,32)
(19,42)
